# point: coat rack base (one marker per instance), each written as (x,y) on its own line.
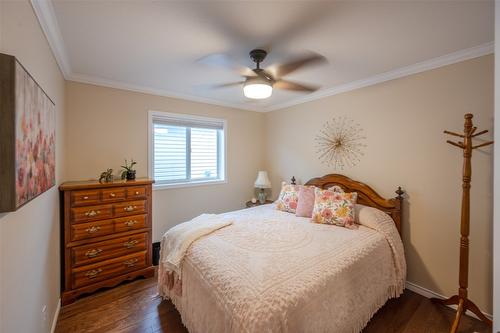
(463,304)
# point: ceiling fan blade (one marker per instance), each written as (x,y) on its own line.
(223,61)
(263,74)
(285,69)
(225,85)
(288,85)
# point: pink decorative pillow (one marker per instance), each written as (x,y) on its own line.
(306,202)
(334,208)
(289,197)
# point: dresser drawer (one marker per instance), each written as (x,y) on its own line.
(113,194)
(136,192)
(92,253)
(130,208)
(90,213)
(87,197)
(91,229)
(130,223)
(90,274)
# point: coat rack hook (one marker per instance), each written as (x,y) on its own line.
(453,133)
(483,144)
(479,133)
(456,144)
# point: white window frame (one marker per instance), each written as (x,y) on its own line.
(159,114)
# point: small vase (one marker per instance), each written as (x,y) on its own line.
(131,175)
(262,196)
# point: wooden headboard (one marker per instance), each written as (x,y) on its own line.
(366,195)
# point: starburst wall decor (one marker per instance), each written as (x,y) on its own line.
(340,143)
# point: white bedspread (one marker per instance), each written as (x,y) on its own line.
(176,241)
(273,272)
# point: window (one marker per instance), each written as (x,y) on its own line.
(186,149)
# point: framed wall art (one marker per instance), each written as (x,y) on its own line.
(340,143)
(27,136)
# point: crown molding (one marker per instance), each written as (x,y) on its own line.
(447,59)
(46,16)
(153,91)
(44,11)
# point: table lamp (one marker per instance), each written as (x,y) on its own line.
(262,182)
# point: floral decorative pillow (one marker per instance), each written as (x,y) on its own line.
(334,208)
(289,198)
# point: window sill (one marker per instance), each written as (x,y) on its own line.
(157,187)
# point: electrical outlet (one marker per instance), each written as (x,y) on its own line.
(44,314)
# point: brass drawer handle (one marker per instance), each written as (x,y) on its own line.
(93,253)
(93,229)
(130,223)
(92,213)
(129,208)
(131,262)
(93,273)
(112,195)
(85,198)
(130,244)
(136,192)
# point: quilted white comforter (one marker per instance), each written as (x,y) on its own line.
(273,272)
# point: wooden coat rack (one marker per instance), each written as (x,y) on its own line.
(461,300)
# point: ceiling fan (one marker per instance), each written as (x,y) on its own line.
(259,83)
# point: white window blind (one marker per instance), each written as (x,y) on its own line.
(187,150)
(170,153)
(204,159)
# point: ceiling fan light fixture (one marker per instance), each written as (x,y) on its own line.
(257,89)
(259,82)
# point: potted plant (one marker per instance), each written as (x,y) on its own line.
(128,170)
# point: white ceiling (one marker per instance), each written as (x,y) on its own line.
(153,46)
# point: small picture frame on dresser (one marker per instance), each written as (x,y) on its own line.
(106,234)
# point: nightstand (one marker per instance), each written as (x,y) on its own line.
(251,204)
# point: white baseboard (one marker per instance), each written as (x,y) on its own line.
(429,294)
(56,315)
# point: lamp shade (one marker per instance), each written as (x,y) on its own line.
(262,180)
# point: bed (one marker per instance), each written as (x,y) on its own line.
(271,271)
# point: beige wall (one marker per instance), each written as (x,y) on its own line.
(29,237)
(404,121)
(496,237)
(106,125)
(1,233)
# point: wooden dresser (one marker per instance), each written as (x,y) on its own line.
(106,234)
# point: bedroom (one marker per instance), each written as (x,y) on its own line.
(397,73)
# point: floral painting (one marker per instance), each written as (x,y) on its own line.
(34,138)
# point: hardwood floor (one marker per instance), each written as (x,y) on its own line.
(135,307)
